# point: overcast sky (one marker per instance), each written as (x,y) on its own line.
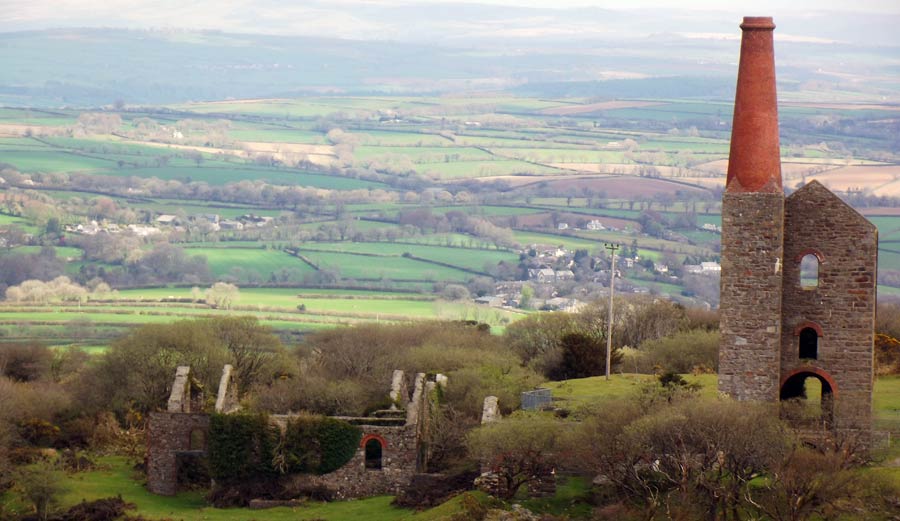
(355,18)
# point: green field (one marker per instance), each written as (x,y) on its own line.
(224,261)
(366,267)
(466,258)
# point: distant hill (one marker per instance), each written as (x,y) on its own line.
(441,48)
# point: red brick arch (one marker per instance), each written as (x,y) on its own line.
(369,437)
(815,371)
(809,324)
(810,251)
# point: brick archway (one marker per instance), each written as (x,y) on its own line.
(369,437)
(810,325)
(810,251)
(814,371)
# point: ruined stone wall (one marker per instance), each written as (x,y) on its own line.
(167,435)
(752,245)
(842,306)
(398,458)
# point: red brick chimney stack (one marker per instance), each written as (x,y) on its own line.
(754,163)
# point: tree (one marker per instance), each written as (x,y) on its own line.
(137,370)
(582,356)
(41,487)
(252,348)
(519,449)
(222,295)
(525,297)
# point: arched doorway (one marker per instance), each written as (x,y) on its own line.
(807,398)
(374,451)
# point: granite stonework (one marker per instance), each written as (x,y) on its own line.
(840,308)
(750,322)
(168,435)
(183,430)
(776,330)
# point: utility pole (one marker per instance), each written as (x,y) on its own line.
(612,285)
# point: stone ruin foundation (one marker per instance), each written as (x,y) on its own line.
(389,455)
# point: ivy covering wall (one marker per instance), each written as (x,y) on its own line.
(243,446)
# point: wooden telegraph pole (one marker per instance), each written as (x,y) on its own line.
(612,284)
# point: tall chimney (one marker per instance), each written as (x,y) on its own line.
(752,229)
(754,163)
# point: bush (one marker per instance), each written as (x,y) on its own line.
(107,509)
(319,445)
(681,352)
(240,447)
(25,362)
(431,490)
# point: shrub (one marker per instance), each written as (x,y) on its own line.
(431,490)
(241,447)
(680,352)
(316,444)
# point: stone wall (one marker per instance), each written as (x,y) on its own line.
(841,307)
(752,244)
(398,465)
(169,434)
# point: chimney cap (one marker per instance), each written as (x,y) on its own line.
(760,23)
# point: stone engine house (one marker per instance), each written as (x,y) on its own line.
(798,283)
(388,456)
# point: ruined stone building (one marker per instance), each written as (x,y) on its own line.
(782,329)
(388,456)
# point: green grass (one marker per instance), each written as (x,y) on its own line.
(62,252)
(231,174)
(571,243)
(223,260)
(53,161)
(585,391)
(472,259)
(395,268)
(466,169)
(116,478)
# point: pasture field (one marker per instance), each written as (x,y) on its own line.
(561,155)
(490,168)
(403,139)
(270,297)
(232,174)
(6,220)
(224,212)
(223,260)
(571,243)
(276,134)
(423,154)
(48,160)
(576,243)
(63,252)
(485,210)
(467,258)
(368,267)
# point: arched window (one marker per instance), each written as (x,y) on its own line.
(809,343)
(809,271)
(373,454)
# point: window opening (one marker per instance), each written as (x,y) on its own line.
(809,271)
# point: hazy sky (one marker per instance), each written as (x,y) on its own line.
(354,18)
